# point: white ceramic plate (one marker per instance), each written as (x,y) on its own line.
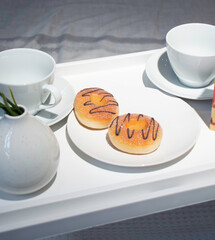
(61,110)
(159,71)
(180,123)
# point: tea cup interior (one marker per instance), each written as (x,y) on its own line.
(25,66)
(191,52)
(194,39)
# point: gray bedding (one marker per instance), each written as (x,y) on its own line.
(81,29)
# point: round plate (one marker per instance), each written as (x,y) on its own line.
(159,71)
(63,108)
(180,123)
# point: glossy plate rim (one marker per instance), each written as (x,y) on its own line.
(104,152)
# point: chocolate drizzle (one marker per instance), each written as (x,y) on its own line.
(105,94)
(118,128)
(130,134)
(154,132)
(91,91)
(139,116)
(95,110)
(127,116)
(88,103)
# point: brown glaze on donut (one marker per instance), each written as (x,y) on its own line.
(95,108)
(135,133)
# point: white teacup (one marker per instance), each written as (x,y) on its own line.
(30,75)
(191,52)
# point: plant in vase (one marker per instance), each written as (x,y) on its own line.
(29,151)
(11,108)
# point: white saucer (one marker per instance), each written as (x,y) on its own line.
(63,108)
(160,73)
(176,141)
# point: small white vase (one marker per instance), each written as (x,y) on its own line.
(29,154)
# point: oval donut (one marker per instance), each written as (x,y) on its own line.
(135,133)
(95,108)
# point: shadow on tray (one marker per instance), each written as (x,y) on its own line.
(202,107)
(121,169)
(14,197)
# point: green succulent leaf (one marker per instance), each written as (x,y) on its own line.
(11,108)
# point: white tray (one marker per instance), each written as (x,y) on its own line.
(87,192)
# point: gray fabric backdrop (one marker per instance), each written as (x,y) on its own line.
(82,29)
(72,30)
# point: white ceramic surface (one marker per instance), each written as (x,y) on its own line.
(160,73)
(191,51)
(166,110)
(30,75)
(53,115)
(85,187)
(29,154)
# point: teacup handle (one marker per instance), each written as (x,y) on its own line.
(55,93)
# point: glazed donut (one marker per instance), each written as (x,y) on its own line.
(95,108)
(135,133)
